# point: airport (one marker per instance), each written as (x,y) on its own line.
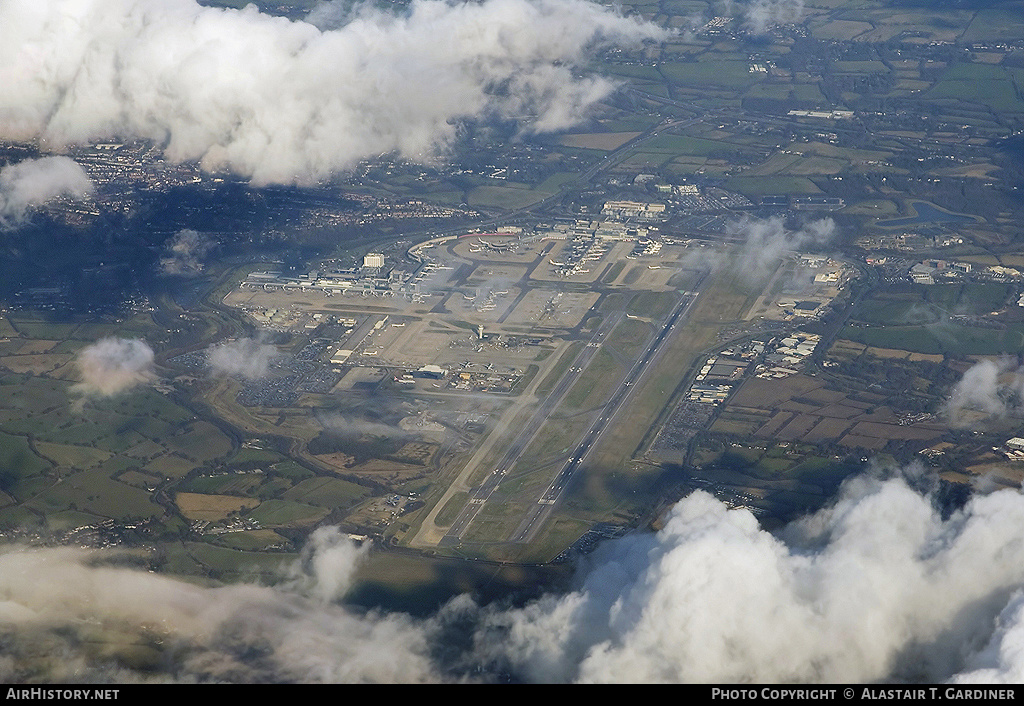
(527,346)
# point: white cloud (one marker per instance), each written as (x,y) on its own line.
(878,586)
(185,253)
(995,388)
(283,101)
(760,15)
(762,243)
(245,357)
(112,365)
(328,564)
(1002,660)
(765,242)
(239,633)
(33,182)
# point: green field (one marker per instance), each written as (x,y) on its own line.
(286,513)
(730,75)
(932,304)
(226,484)
(942,338)
(653,305)
(593,385)
(997,23)
(508,197)
(327,492)
(680,145)
(230,564)
(761,185)
(992,86)
(94,491)
(251,540)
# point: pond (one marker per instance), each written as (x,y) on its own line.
(927,213)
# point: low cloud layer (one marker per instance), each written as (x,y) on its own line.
(283,101)
(1002,660)
(186,253)
(761,15)
(765,242)
(239,633)
(33,182)
(112,365)
(876,587)
(249,358)
(992,388)
(358,423)
(762,243)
